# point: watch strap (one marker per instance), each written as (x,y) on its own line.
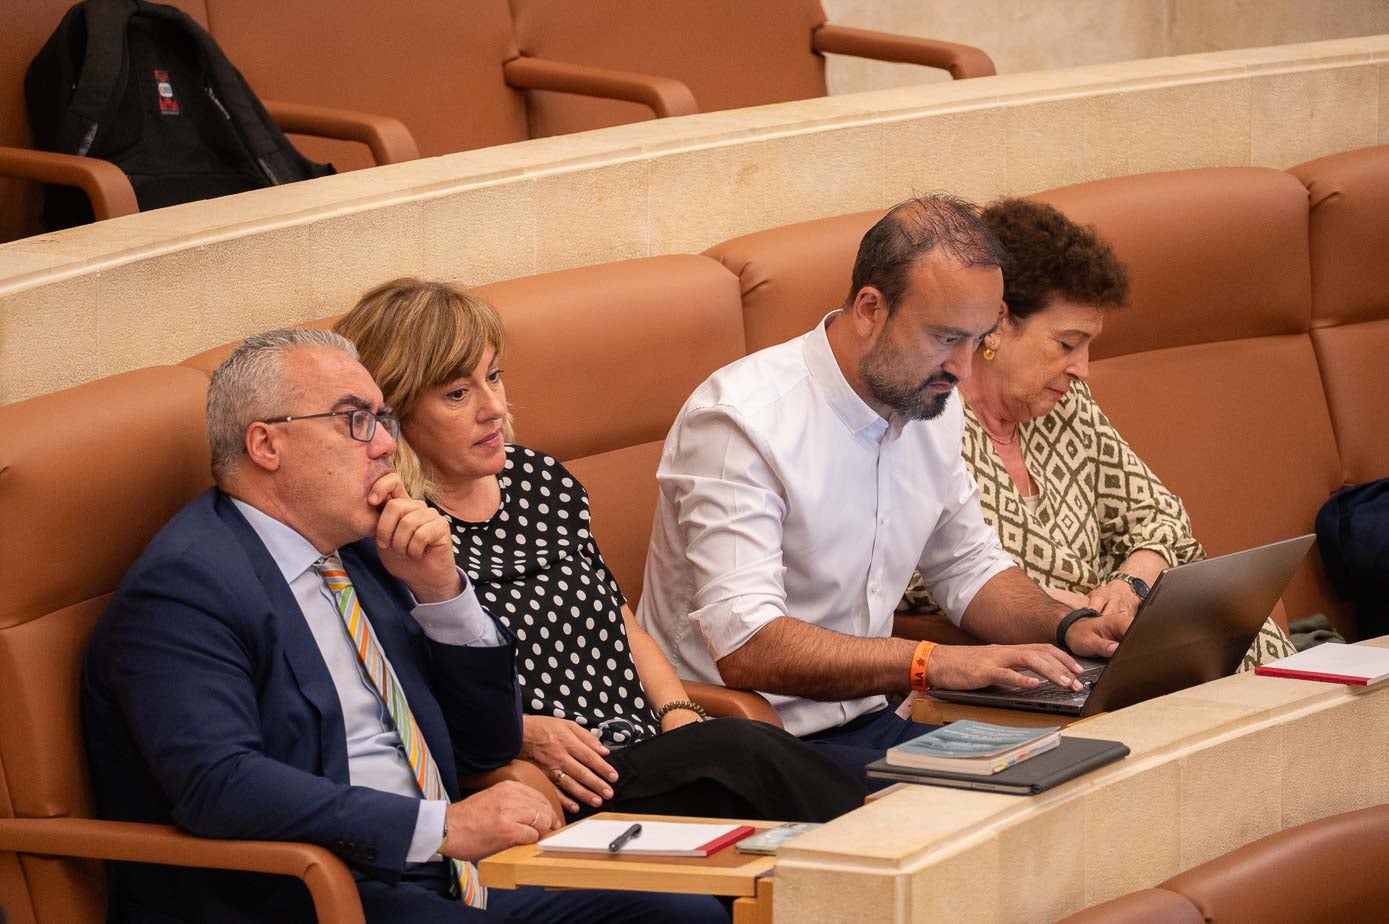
(1140,586)
(1065,624)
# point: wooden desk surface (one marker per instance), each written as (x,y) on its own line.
(934,712)
(725,873)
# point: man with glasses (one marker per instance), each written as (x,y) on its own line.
(266,672)
(800,486)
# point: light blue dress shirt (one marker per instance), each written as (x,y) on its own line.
(375,757)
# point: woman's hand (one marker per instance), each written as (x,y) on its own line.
(1115,598)
(571,756)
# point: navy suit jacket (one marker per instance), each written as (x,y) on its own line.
(207,704)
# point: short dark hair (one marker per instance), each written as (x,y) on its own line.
(913,229)
(1051,256)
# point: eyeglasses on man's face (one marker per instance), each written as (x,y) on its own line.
(361,423)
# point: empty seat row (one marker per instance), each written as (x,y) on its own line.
(455,75)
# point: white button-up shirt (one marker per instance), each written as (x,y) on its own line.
(784,494)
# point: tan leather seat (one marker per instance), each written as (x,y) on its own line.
(1350,301)
(97,470)
(793,276)
(1147,906)
(731,53)
(1331,871)
(1210,373)
(601,398)
(448,69)
(1328,871)
(639,336)
(435,66)
(599,361)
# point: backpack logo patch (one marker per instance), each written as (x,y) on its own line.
(168,103)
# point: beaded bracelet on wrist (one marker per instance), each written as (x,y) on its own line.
(675,704)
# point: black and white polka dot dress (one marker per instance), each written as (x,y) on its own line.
(537,568)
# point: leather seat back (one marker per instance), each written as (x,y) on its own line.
(1146,906)
(599,360)
(1322,872)
(97,472)
(639,336)
(1350,301)
(436,65)
(730,53)
(792,276)
(1209,373)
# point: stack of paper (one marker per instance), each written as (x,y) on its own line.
(657,838)
(1333,663)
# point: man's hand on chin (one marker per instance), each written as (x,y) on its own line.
(413,541)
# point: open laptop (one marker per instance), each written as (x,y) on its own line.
(1196,625)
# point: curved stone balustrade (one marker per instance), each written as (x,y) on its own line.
(1212,768)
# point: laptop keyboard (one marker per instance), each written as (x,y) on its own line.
(1049,691)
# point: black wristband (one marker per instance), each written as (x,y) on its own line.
(1064,626)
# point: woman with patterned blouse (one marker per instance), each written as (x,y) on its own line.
(605,716)
(1072,503)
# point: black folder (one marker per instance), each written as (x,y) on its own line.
(1066,761)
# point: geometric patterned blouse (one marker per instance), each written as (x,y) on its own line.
(1097,503)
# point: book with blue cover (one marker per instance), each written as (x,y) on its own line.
(973,747)
(1071,758)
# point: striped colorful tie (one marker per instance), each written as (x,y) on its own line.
(379,669)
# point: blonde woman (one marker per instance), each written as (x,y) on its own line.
(605,715)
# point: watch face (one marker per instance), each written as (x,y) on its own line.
(1139,586)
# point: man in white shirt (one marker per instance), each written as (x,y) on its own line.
(265,672)
(801,485)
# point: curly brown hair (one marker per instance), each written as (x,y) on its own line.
(1050,256)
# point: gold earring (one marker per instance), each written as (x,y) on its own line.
(989,351)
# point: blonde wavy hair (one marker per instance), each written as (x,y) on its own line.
(413,335)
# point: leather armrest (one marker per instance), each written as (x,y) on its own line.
(662,95)
(727,702)
(105,184)
(520,771)
(390,141)
(960,60)
(330,884)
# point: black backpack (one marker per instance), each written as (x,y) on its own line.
(144,86)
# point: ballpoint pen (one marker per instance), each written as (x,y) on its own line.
(621,840)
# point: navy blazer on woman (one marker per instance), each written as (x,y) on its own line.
(207,704)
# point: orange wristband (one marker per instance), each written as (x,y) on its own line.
(920,658)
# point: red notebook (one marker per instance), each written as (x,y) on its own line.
(1332,663)
(657,838)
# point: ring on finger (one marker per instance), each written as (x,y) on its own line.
(536,818)
(559,776)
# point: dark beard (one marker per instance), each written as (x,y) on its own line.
(913,402)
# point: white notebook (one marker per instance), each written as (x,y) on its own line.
(657,838)
(1358,665)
